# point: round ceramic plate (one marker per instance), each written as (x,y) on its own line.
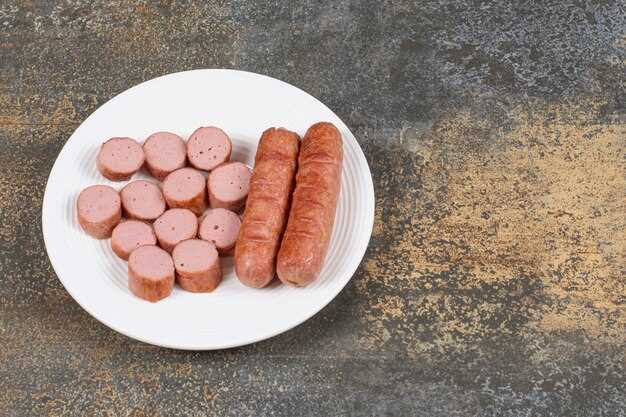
(244,105)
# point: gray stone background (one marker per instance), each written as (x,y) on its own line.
(494,284)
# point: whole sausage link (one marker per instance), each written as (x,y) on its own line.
(313,206)
(267,207)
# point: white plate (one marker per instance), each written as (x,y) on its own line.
(243,104)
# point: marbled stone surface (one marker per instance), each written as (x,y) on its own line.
(495,281)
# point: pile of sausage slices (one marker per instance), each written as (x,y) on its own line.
(276,219)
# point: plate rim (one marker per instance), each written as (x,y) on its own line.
(282,329)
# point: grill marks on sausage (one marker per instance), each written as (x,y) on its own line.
(266,209)
(312,212)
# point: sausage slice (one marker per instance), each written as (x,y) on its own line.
(150,273)
(129,235)
(99,210)
(142,200)
(267,207)
(208,147)
(174,226)
(165,152)
(229,185)
(120,158)
(221,227)
(185,188)
(313,205)
(197,265)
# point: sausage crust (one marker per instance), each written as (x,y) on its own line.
(314,201)
(267,207)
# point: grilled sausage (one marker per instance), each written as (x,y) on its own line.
(312,212)
(267,207)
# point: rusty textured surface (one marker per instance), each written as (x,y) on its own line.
(495,281)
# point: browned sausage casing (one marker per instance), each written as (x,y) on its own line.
(267,207)
(313,205)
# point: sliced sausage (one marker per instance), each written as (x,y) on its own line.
(221,227)
(197,265)
(228,186)
(174,226)
(142,200)
(150,273)
(267,207)
(120,158)
(208,147)
(129,235)
(185,188)
(165,153)
(313,205)
(99,210)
